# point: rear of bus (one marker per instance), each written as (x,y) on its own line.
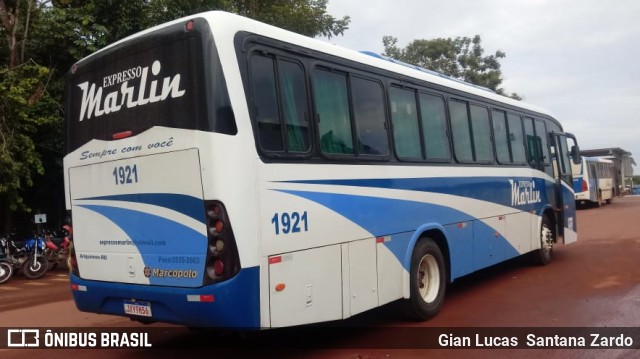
(581,185)
(147,120)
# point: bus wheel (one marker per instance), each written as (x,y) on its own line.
(542,256)
(427,281)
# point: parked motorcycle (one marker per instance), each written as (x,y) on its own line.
(37,264)
(6,270)
(57,248)
(28,255)
(6,267)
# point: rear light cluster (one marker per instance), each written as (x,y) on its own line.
(585,187)
(223,261)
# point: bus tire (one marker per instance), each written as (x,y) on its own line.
(427,281)
(542,256)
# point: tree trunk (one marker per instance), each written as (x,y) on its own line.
(11,22)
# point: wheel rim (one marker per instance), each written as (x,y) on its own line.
(5,272)
(547,240)
(35,267)
(428,278)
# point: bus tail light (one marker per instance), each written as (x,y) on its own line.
(121,135)
(223,261)
(585,187)
(190,26)
(218,267)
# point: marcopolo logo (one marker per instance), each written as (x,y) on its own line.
(95,104)
(170,273)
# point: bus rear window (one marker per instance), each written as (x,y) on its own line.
(163,78)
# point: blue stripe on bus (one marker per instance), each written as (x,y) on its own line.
(400,219)
(153,237)
(490,189)
(236,302)
(383,216)
(187,205)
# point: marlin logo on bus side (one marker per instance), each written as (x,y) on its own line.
(524,192)
(127,96)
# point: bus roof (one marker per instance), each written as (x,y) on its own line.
(601,159)
(230,24)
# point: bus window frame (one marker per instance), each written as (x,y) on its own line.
(349,72)
(277,56)
(447,126)
(468,103)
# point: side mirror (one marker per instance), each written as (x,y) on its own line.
(575,154)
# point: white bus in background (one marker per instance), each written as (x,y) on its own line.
(226,173)
(593,183)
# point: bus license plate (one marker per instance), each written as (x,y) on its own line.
(142,309)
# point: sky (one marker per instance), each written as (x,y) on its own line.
(578,59)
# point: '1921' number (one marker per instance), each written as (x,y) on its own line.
(125,174)
(293,222)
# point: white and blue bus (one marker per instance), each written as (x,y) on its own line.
(222,172)
(593,181)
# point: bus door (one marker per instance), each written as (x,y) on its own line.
(566,164)
(594,182)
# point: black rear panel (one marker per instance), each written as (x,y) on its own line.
(157,79)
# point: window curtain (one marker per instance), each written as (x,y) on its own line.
(332,103)
(294,103)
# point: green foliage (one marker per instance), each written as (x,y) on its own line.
(41,39)
(63,36)
(160,11)
(462,58)
(307,17)
(121,18)
(25,108)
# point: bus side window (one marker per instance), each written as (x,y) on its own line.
(516,139)
(280,104)
(534,144)
(368,109)
(460,131)
(404,116)
(294,106)
(265,100)
(541,133)
(471,132)
(535,149)
(481,132)
(434,126)
(500,132)
(332,106)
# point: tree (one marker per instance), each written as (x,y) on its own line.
(25,107)
(41,39)
(125,17)
(307,17)
(460,58)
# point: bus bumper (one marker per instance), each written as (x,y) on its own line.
(234,303)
